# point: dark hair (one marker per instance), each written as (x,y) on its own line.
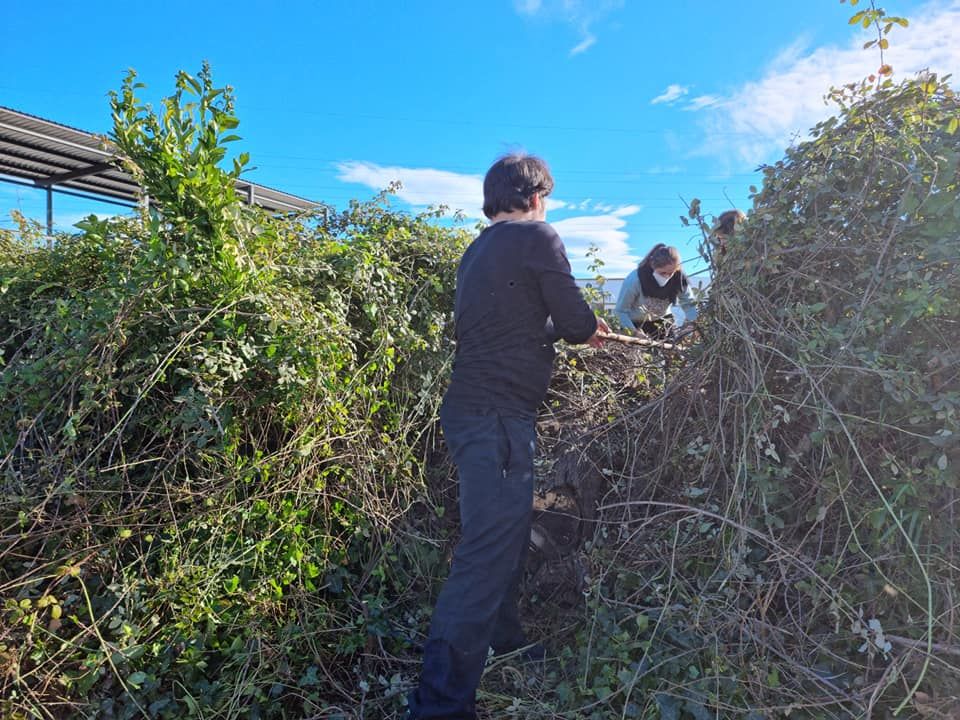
(659,256)
(727,222)
(512,181)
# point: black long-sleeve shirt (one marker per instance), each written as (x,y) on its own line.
(515,297)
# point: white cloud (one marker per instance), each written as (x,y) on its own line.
(420,187)
(758,119)
(627,210)
(703,101)
(606,232)
(423,187)
(582,15)
(603,208)
(670,95)
(584,45)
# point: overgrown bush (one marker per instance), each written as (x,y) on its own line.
(794,548)
(210,421)
(215,427)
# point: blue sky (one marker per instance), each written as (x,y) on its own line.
(635,105)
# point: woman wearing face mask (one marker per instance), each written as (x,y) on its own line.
(648,293)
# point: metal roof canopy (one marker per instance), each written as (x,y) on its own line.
(40,153)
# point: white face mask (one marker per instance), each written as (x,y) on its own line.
(662,280)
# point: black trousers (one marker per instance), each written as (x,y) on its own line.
(477,608)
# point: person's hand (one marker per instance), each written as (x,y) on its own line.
(596,340)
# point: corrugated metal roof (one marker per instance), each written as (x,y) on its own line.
(47,153)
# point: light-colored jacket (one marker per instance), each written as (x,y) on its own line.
(633,308)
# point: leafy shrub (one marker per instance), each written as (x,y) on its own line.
(215,426)
(806,506)
(211,420)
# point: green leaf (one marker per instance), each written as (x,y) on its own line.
(69,429)
(137,679)
(192,704)
(134,652)
(193,83)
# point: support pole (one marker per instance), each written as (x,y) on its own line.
(49,216)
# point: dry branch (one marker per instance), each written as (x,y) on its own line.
(631,340)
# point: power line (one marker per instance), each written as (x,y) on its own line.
(472,169)
(623,180)
(353,117)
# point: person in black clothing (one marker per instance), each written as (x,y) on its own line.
(515,297)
